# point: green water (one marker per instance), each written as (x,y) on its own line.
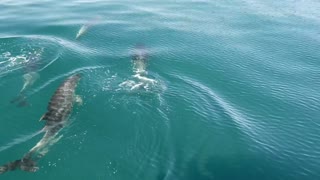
(232,89)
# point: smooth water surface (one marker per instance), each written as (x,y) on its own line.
(231,88)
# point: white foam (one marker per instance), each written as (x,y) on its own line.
(136,86)
(144,78)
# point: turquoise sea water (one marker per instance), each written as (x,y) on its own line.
(232,89)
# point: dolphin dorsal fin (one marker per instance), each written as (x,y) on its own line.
(43,117)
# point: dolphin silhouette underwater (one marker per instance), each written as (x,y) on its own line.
(140,59)
(31,75)
(84,28)
(58,111)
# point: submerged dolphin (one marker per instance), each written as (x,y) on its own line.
(59,108)
(31,75)
(140,58)
(84,28)
(31,69)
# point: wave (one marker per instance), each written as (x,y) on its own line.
(19,140)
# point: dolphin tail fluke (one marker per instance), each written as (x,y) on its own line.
(11,166)
(17,99)
(20,100)
(23,103)
(23,164)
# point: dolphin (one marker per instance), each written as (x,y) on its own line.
(58,111)
(31,75)
(140,59)
(84,28)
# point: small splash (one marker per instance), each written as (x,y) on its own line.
(17,60)
(138,82)
(30,53)
(112,168)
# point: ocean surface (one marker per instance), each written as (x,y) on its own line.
(229,90)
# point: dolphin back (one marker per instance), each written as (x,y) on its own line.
(61,103)
(59,108)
